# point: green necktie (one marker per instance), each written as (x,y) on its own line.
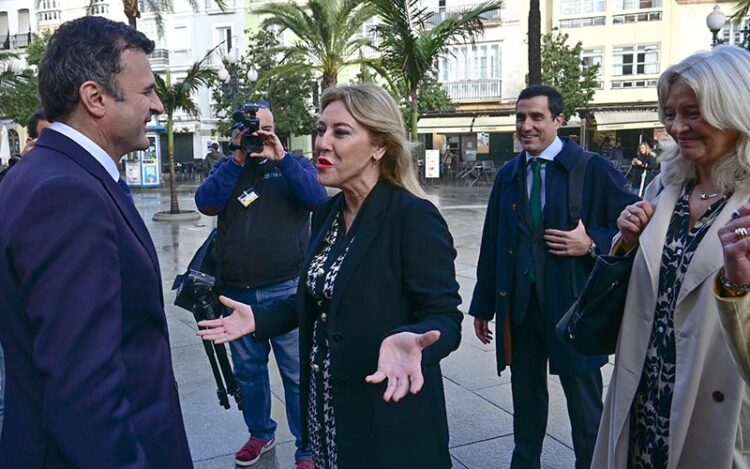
(535,199)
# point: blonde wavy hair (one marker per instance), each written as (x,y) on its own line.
(720,79)
(376,110)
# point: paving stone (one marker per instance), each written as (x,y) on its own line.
(471,418)
(471,368)
(497,453)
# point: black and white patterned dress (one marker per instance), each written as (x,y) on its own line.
(320,280)
(650,412)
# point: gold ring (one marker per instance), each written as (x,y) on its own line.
(630,215)
(741,232)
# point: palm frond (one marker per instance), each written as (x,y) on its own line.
(740,11)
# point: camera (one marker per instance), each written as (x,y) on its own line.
(197,293)
(245,118)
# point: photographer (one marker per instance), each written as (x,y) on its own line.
(263,202)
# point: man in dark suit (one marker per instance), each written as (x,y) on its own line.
(532,263)
(90,380)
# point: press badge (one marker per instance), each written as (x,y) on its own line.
(247,197)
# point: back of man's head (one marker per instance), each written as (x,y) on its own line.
(215,146)
(554,98)
(34,128)
(84,49)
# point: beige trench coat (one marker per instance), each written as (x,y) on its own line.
(709,392)
(734,314)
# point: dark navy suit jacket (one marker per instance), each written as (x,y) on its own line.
(89,372)
(398,276)
(604,197)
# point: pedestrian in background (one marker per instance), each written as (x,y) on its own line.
(675,397)
(212,157)
(89,368)
(377,303)
(643,168)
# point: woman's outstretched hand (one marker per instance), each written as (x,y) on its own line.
(400,362)
(241,322)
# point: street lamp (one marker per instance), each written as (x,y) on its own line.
(716,20)
(230,75)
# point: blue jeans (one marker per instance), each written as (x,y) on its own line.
(250,358)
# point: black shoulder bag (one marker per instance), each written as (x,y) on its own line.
(592,323)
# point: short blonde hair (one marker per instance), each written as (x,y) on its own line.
(720,79)
(376,110)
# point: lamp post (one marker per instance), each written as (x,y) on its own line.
(230,75)
(716,20)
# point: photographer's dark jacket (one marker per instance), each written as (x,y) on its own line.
(263,243)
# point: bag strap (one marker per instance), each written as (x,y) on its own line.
(575,201)
(575,188)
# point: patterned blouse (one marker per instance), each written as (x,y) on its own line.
(650,412)
(320,280)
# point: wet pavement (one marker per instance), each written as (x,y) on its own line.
(479,402)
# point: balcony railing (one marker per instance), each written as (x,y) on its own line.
(474,90)
(456,10)
(15,41)
(159,58)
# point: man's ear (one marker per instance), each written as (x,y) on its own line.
(94,98)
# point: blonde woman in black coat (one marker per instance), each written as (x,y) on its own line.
(377,300)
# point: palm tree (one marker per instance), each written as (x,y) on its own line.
(410,49)
(132,9)
(176,97)
(11,73)
(741,9)
(326,33)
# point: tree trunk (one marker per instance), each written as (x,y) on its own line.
(535,43)
(414,116)
(173,205)
(131,11)
(329,79)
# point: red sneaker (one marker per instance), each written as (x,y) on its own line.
(252,451)
(305,464)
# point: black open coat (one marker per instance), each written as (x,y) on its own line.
(397,276)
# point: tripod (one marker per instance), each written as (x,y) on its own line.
(217,357)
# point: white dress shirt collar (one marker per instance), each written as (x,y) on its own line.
(96,151)
(550,152)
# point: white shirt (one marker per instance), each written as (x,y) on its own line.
(548,154)
(96,151)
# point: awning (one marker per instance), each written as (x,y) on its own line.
(495,124)
(465,125)
(444,125)
(622,120)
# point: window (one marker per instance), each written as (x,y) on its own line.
(582,22)
(481,61)
(24,21)
(732,35)
(621,5)
(224,34)
(633,84)
(636,60)
(3,25)
(582,7)
(637,17)
(14,143)
(590,57)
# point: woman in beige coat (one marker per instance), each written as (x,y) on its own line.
(675,397)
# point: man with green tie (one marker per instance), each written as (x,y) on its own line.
(535,257)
